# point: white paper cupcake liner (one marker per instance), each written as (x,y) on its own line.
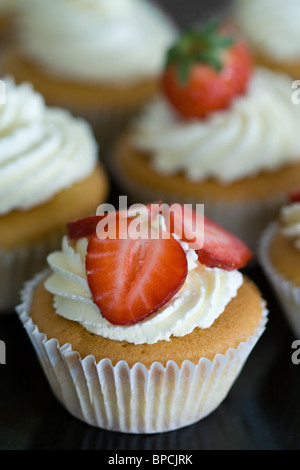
(19,265)
(246,219)
(288,294)
(137,399)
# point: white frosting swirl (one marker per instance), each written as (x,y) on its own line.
(258,132)
(115,41)
(42,150)
(290,223)
(270,26)
(198,303)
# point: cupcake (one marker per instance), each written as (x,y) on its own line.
(221,132)
(137,329)
(272,29)
(279,254)
(49,173)
(99,59)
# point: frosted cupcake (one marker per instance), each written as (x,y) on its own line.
(143,335)
(98,58)
(49,172)
(226,136)
(280,258)
(272,29)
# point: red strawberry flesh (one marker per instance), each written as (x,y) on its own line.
(215,246)
(222,249)
(206,70)
(132,278)
(86,226)
(80,228)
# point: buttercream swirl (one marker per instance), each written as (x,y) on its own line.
(259,132)
(290,223)
(202,298)
(270,26)
(42,150)
(117,41)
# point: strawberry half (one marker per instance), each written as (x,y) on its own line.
(222,249)
(84,227)
(131,278)
(214,245)
(87,226)
(205,70)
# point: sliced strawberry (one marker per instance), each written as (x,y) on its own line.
(86,226)
(222,249)
(294,195)
(131,278)
(215,246)
(83,227)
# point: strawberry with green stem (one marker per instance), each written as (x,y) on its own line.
(205,70)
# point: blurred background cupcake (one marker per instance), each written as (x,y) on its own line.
(49,173)
(221,132)
(272,29)
(279,255)
(99,58)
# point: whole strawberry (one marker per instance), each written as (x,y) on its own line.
(205,70)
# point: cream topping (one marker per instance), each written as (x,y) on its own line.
(119,41)
(290,223)
(258,132)
(202,298)
(42,150)
(270,26)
